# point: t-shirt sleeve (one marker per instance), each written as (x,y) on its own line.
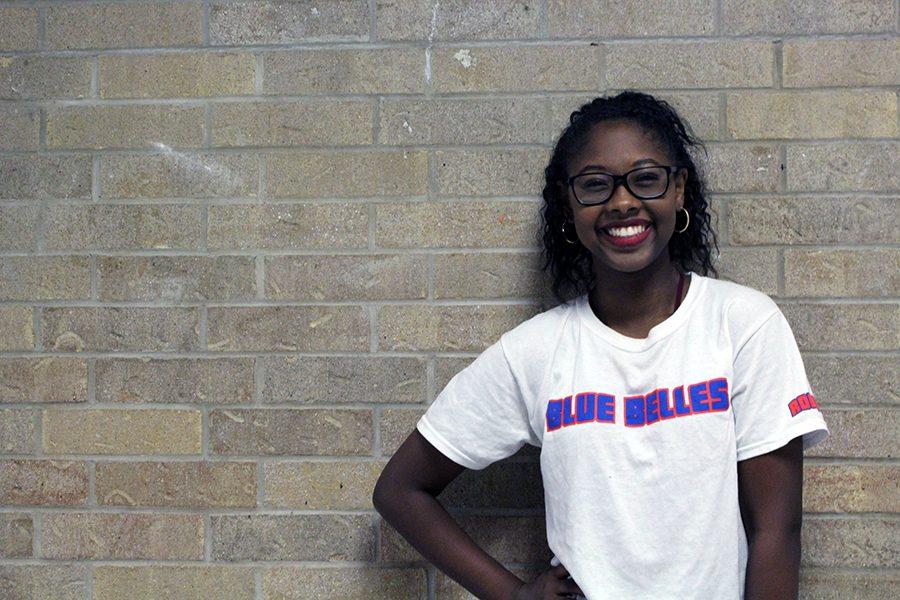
(480,417)
(771,396)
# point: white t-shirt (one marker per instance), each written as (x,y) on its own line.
(639,438)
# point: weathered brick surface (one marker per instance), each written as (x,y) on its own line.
(47,379)
(328,485)
(742,168)
(16,533)
(114,431)
(123,25)
(21,126)
(18,227)
(593,19)
(342,379)
(306,431)
(841,542)
(806,16)
(16,329)
(493,275)
(456,20)
(860,434)
(43,482)
(822,63)
(845,326)
(345,71)
(850,488)
(353,277)
(824,584)
(177,380)
(123,126)
(114,329)
(288,328)
(16,431)
(177,484)
(310,583)
(854,379)
(293,537)
(121,536)
(18,28)
(483,172)
(164,582)
(42,77)
(396,425)
(755,267)
(176,75)
(175,279)
(288,226)
(275,22)
(44,176)
(851,273)
(45,278)
(44,582)
(843,166)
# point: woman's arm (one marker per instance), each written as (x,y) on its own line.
(405,497)
(770,488)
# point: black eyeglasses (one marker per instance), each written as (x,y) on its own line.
(645,183)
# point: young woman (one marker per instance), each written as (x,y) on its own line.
(672,409)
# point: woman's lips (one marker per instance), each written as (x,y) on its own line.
(627,241)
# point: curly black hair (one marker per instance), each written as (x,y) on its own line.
(570,264)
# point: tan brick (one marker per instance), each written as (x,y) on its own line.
(469,224)
(347,174)
(845,326)
(122,126)
(844,166)
(293,226)
(342,379)
(43,482)
(116,329)
(181,380)
(850,488)
(860,434)
(176,174)
(754,267)
(741,17)
(456,20)
(18,28)
(416,327)
(177,484)
(288,328)
(506,538)
(825,584)
(489,275)
(293,537)
(837,542)
(590,18)
(123,226)
(16,431)
(20,123)
(114,431)
(310,583)
(274,22)
(45,278)
(351,277)
(123,25)
(345,71)
(825,114)
(45,176)
(44,582)
(172,582)
(819,220)
(332,485)
(504,485)
(689,65)
(742,168)
(551,68)
(175,278)
(842,272)
(301,431)
(396,425)
(18,225)
(121,536)
(16,532)
(445,368)
(16,329)
(318,122)
(448,121)
(45,379)
(489,172)
(40,77)
(865,379)
(815,63)
(176,75)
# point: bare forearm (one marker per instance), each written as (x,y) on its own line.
(773,566)
(431,530)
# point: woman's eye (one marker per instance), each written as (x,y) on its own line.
(596,184)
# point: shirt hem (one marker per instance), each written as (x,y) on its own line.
(813,432)
(438,441)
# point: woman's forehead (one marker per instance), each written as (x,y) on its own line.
(617,144)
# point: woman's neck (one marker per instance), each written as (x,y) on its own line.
(635,302)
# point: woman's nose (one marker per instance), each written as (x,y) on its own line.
(622,200)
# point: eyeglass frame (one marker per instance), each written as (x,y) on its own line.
(623,180)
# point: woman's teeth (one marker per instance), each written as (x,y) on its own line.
(627,231)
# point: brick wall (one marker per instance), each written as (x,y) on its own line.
(244,243)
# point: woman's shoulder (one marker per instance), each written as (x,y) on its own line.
(740,305)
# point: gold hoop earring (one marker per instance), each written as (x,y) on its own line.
(688,215)
(565,237)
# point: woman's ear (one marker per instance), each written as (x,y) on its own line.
(680,186)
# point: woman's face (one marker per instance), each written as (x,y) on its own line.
(617,147)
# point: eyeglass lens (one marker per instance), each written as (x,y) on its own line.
(645,183)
